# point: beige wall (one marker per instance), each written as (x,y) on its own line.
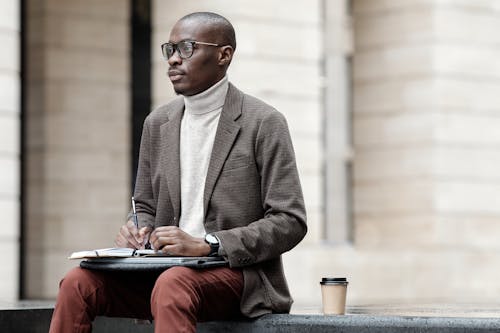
(425,88)
(426,84)
(426,116)
(9,147)
(467,65)
(425,149)
(78,129)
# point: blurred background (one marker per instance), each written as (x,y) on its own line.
(394,109)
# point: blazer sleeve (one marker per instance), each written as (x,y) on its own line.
(143,192)
(284,222)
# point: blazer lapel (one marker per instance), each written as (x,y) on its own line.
(170,142)
(226,134)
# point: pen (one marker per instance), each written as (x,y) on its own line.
(136,221)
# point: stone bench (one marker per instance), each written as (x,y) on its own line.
(34,317)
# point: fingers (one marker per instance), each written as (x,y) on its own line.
(173,241)
(132,234)
(170,231)
(167,238)
(145,233)
(159,232)
(120,241)
(129,236)
(170,250)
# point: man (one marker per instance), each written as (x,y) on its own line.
(216,175)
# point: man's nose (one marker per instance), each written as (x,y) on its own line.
(175,58)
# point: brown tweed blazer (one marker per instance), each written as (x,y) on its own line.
(252,199)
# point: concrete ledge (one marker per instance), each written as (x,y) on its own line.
(25,320)
(355,323)
(36,319)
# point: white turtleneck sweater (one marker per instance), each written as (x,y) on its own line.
(198,127)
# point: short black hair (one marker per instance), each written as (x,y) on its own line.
(218,23)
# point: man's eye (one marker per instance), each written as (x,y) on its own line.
(186,47)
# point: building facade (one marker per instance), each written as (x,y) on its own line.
(392,107)
(10,134)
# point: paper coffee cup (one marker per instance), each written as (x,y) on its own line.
(333,293)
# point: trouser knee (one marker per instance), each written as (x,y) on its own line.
(175,288)
(76,281)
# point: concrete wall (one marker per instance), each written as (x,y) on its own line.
(467,66)
(78,133)
(426,149)
(9,147)
(425,90)
(467,193)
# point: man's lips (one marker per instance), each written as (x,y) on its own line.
(175,75)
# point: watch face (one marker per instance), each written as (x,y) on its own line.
(211,239)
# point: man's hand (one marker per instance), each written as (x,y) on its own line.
(173,241)
(129,236)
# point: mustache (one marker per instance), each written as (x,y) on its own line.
(175,71)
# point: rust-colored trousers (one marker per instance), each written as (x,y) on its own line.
(176,299)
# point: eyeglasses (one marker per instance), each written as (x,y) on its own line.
(185,48)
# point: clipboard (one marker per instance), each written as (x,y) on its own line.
(151,263)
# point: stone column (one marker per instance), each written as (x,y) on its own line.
(467,144)
(78,133)
(427,78)
(9,148)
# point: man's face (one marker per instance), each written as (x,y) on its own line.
(199,72)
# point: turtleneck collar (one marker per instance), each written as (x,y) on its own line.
(209,100)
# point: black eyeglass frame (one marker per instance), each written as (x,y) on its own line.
(175,47)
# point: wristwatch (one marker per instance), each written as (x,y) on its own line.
(213,241)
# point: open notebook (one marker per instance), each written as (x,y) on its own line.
(127,259)
(112,252)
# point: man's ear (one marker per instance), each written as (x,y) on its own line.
(226,55)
